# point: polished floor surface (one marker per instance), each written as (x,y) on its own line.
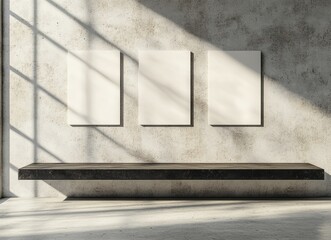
(49,218)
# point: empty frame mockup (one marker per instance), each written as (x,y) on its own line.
(234,88)
(94,88)
(164,88)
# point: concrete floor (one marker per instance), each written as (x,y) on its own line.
(44,218)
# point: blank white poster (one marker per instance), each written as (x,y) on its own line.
(164,88)
(94,88)
(234,87)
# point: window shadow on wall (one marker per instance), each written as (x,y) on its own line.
(37,89)
(289,34)
(218,23)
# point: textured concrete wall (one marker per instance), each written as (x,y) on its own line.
(294,37)
(1,99)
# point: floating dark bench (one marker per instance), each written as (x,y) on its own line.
(170,171)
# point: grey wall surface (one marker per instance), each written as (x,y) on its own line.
(1,99)
(294,37)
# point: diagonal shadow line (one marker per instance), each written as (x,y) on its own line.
(129,151)
(281,35)
(261,94)
(89,28)
(13,167)
(138,209)
(132,153)
(51,95)
(35,90)
(22,75)
(252,226)
(45,91)
(65,50)
(181,98)
(89,65)
(26,23)
(34,143)
(55,43)
(166,90)
(93,68)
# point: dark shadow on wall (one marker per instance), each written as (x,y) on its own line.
(289,34)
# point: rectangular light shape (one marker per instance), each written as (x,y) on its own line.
(164,88)
(94,87)
(234,88)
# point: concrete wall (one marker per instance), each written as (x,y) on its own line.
(294,37)
(1,98)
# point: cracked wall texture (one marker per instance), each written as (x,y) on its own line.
(295,40)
